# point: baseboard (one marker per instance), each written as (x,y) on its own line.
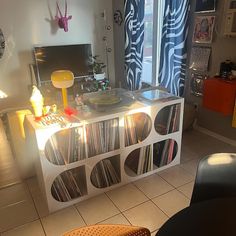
(215,135)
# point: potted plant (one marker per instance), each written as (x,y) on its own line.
(98,67)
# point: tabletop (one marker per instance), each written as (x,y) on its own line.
(216,217)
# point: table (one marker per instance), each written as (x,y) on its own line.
(215,217)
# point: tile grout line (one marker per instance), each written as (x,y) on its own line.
(29,221)
(80,214)
(19,227)
(40,220)
(150,198)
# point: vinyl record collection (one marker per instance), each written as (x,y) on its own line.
(66,146)
(137,128)
(67,186)
(159,154)
(168,121)
(104,174)
(140,160)
(76,144)
(102,137)
(164,152)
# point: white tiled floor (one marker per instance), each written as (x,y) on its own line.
(147,202)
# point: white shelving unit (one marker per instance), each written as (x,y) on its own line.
(104,150)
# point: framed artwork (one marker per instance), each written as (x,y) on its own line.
(205,6)
(203,29)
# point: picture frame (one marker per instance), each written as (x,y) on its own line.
(205,6)
(203,29)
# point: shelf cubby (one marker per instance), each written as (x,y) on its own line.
(66,146)
(69,185)
(167,120)
(102,137)
(164,152)
(139,161)
(137,128)
(106,172)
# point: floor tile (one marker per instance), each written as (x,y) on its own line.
(147,215)
(31,229)
(97,209)
(126,197)
(176,176)
(153,186)
(33,186)
(17,214)
(190,166)
(41,206)
(118,219)
(9,173)
(171,202)
(14,194)
(187,153)
(187,189)
(62,221)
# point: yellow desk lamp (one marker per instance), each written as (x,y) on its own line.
(63,79)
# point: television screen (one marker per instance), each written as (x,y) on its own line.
(65,57)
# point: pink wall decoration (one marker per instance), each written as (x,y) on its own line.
(62,20)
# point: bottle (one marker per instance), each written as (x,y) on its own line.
(37,102)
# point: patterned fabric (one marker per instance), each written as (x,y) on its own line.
(173,46)
(2,43)
(134,41)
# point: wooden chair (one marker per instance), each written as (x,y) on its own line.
(109,230)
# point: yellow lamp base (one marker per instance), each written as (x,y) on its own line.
(64,97)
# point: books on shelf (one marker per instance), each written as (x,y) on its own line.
(105,174)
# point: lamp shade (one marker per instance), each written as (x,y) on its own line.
(62,78)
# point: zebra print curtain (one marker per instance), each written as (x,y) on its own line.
(173,46)
(134,40)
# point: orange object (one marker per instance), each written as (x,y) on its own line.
(234,116)
(107,230)
(219,95)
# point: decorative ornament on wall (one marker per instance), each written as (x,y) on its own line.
(62,20)
(2,43)
(118,18)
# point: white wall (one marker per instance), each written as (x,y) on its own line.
(27,22)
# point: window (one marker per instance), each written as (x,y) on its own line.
(152,40)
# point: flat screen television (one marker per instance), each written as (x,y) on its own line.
(64,57)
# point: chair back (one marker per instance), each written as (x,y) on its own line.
(109,230)
(216,177)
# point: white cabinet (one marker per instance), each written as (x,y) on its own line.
(107,149)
